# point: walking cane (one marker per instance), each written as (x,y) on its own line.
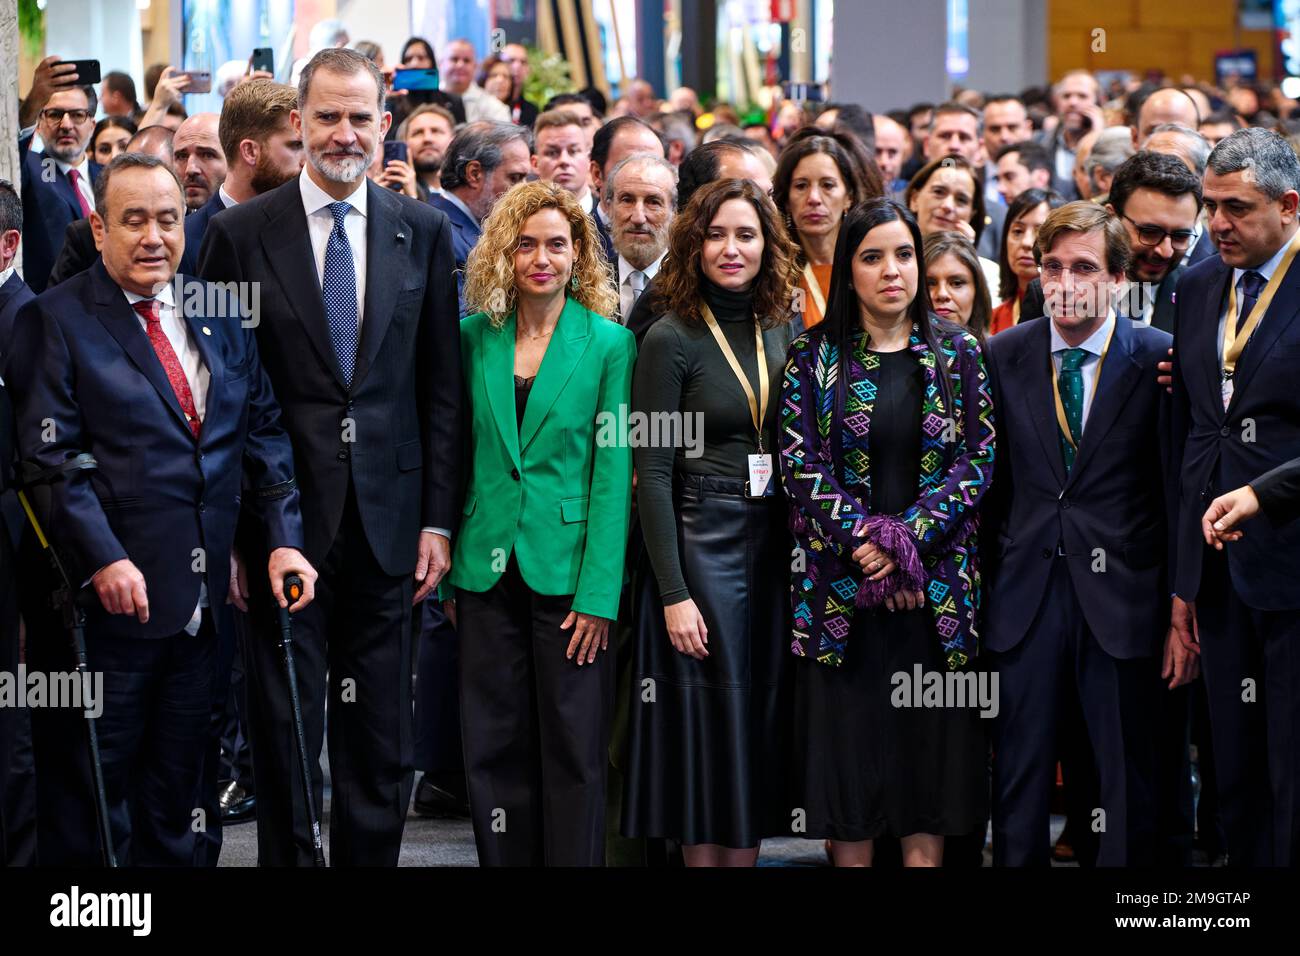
(293,591)
(74,619)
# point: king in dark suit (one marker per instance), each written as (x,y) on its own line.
(1078,545)
(357,325)
(1237,416)
(175,408)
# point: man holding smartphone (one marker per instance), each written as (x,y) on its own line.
(58,184)
(1077,99)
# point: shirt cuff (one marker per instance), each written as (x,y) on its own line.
(442,531)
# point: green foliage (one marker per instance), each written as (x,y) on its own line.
(31,28)
(548,76)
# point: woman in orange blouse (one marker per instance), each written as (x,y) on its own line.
(820,177)
(1017,266)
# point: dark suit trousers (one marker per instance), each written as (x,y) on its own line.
(1058,661)
(208,848)
(437,694)
(17,771)
(1256,739)
(152,732)
(354,641)
(536,728)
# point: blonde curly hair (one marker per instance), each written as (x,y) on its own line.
(490,269)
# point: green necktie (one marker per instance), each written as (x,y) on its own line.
(1070,384)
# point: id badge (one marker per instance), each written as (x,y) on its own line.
(760,476)
(1226,389)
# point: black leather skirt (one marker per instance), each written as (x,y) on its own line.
(710,741)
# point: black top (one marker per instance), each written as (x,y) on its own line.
(682,370)
(522,387)
(896,433)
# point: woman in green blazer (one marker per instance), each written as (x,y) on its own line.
(538,560)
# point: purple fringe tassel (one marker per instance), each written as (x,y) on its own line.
(891,536)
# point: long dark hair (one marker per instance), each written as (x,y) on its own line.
(843,319)
(1022,205)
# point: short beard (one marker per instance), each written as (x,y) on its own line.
(653,246)
(67,154)
(425,167)
(267,176)
(347,171)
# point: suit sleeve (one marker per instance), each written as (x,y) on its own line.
(216,257)
(997,499)
(601,578)
(50,432)
(439,377)
(1279,493)
(269,482)
(1180,412)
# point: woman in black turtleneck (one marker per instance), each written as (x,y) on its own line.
(709,728)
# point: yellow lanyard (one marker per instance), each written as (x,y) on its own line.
(1096,380)
(1234,342)
(814,289)
(757,411)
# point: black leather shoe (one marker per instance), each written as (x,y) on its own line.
(439,802)
(237,804)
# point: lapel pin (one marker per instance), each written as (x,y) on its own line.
(206,330)
(401,236)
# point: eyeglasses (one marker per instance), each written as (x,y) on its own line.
(56,116)
(1150,235)
(1052,269)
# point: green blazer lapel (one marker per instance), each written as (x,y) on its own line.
(498,369)
(569,342)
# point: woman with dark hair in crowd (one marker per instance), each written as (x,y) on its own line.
(710,715)
(818,179)
(1017,266)
(886,451)
(417,54)
(947,195)
(110,137)
(495,77)
(955,281)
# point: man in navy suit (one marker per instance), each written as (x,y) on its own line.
(1077,523)
(483,161)
(359,334)
(1237,416)
(175,408)
(17,774)
(58,184)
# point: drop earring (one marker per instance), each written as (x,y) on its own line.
(573,282)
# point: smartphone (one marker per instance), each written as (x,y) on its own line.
(87,71)
(412,80)
(394,149)
(264,59)
(200,81)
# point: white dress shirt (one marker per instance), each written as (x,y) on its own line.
(626,298)
(320,223)
(1266,270)
(196,374)
(4,276)
(226,199)
(84,185)
(1088,370)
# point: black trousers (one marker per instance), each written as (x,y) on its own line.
(437,694)
(152,732)
(17,770)
(536,729)
(1058,659)
(1251,663)
(208,847)
(352,645)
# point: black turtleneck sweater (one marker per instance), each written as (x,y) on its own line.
(681,369)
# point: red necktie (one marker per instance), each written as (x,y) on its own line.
(75,178)
(148,310)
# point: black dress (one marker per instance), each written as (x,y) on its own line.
(868,769)
(709,740)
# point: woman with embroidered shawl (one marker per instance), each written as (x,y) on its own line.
(886,450)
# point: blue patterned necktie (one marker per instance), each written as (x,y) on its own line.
(339,288)
(1252,284)
(1070,384)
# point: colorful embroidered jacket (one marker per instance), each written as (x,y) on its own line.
(825,467)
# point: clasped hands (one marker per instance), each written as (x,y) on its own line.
(877,565)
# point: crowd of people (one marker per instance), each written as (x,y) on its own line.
(863,469)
